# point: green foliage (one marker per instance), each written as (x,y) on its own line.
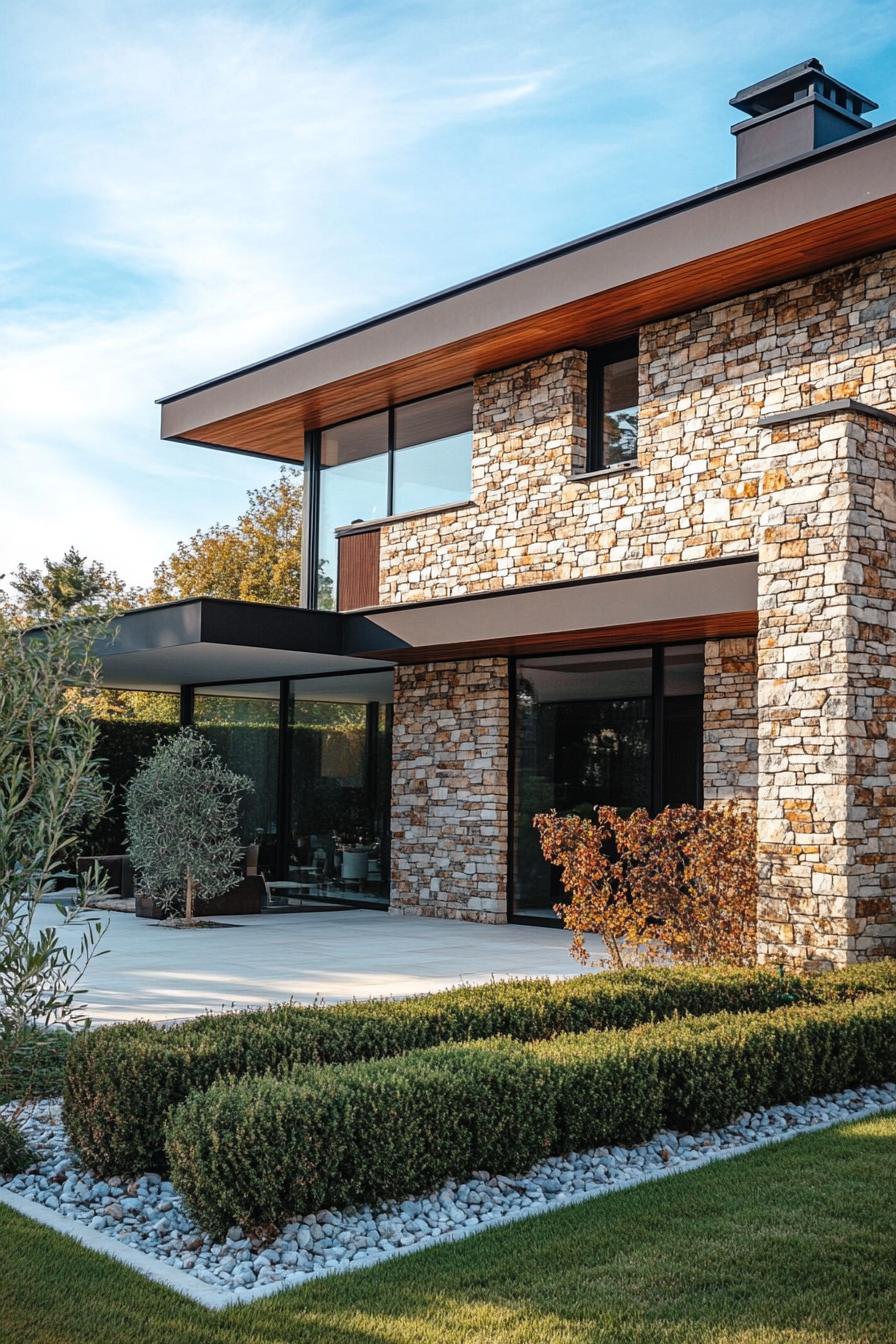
(257,559)
(182,813)
(50,786)
(122,744)
(261,1150)
(36,1067)
(121,1081)
(15,1155)
(72,586)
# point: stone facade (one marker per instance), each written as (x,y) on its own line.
(730,721)
(705,380)
(827,691)
(450,743)
(709,483)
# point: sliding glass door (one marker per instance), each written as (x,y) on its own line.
(242,722)
(340,754)
(621,729)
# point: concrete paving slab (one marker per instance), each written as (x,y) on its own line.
(148,971)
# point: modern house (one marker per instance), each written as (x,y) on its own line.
(614,524)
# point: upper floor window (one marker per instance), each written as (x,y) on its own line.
(613,405)
(412,457)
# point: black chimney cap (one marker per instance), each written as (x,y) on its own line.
(799,81)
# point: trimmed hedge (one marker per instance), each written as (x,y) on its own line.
(122,1081)
(262,1150)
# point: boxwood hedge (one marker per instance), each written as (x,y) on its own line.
(261,1150)
(122,1081)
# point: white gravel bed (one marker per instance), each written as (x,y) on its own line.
(144,1222)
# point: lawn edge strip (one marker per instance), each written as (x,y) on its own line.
(218,1299)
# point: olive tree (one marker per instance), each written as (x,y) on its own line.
(51,786)
(182,818)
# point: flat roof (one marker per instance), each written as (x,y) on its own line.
(831,205)
(203,641)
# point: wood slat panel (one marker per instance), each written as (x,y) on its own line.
(277,429)
(358,581)
(719,626)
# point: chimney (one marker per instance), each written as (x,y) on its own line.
(792,113)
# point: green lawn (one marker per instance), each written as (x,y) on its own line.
(793,1243)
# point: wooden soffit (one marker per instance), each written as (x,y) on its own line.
(832,206)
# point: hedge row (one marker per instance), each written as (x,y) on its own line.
(262,1150)
(122,1081)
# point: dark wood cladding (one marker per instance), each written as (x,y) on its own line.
(734,623)
(358,570)
(277,428)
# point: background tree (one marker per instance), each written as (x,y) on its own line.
(182,822)
(256,559)
(72,586)
(50,788)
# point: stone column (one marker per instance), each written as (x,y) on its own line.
(450,744)
(827,685)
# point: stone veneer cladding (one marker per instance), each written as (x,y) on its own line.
(730,721)
(699,491)
(827,691)
(705,380)
(450,743)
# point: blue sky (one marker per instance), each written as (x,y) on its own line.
(188,187)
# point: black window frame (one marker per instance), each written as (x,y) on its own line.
(599,357)
(314,467)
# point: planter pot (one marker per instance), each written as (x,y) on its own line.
(245,898)
(355,863)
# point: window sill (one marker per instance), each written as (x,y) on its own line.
(619,469)
(373,523)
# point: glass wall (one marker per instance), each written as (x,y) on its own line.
(130,726)
(621,729)
(242,722)
(340,747)
(414,456)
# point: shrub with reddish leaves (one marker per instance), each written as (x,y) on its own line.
(680,884)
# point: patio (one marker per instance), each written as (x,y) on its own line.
(148,971)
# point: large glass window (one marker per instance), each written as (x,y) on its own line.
(354,487)
(414,456)
(130,726)
(242,722)
(432,452)
(613,405)
(621,729)
(340,746)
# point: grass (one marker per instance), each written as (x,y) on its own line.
(789,1245)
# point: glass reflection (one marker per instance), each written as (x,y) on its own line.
(242,722)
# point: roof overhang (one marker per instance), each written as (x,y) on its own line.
(832,205)
(204,640)
(704,600)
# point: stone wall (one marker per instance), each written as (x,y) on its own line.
(450,743)
(827,691)
(706,378)
(730,721)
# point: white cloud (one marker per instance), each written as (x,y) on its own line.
(260,174)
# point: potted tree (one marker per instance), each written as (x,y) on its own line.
(182,818)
